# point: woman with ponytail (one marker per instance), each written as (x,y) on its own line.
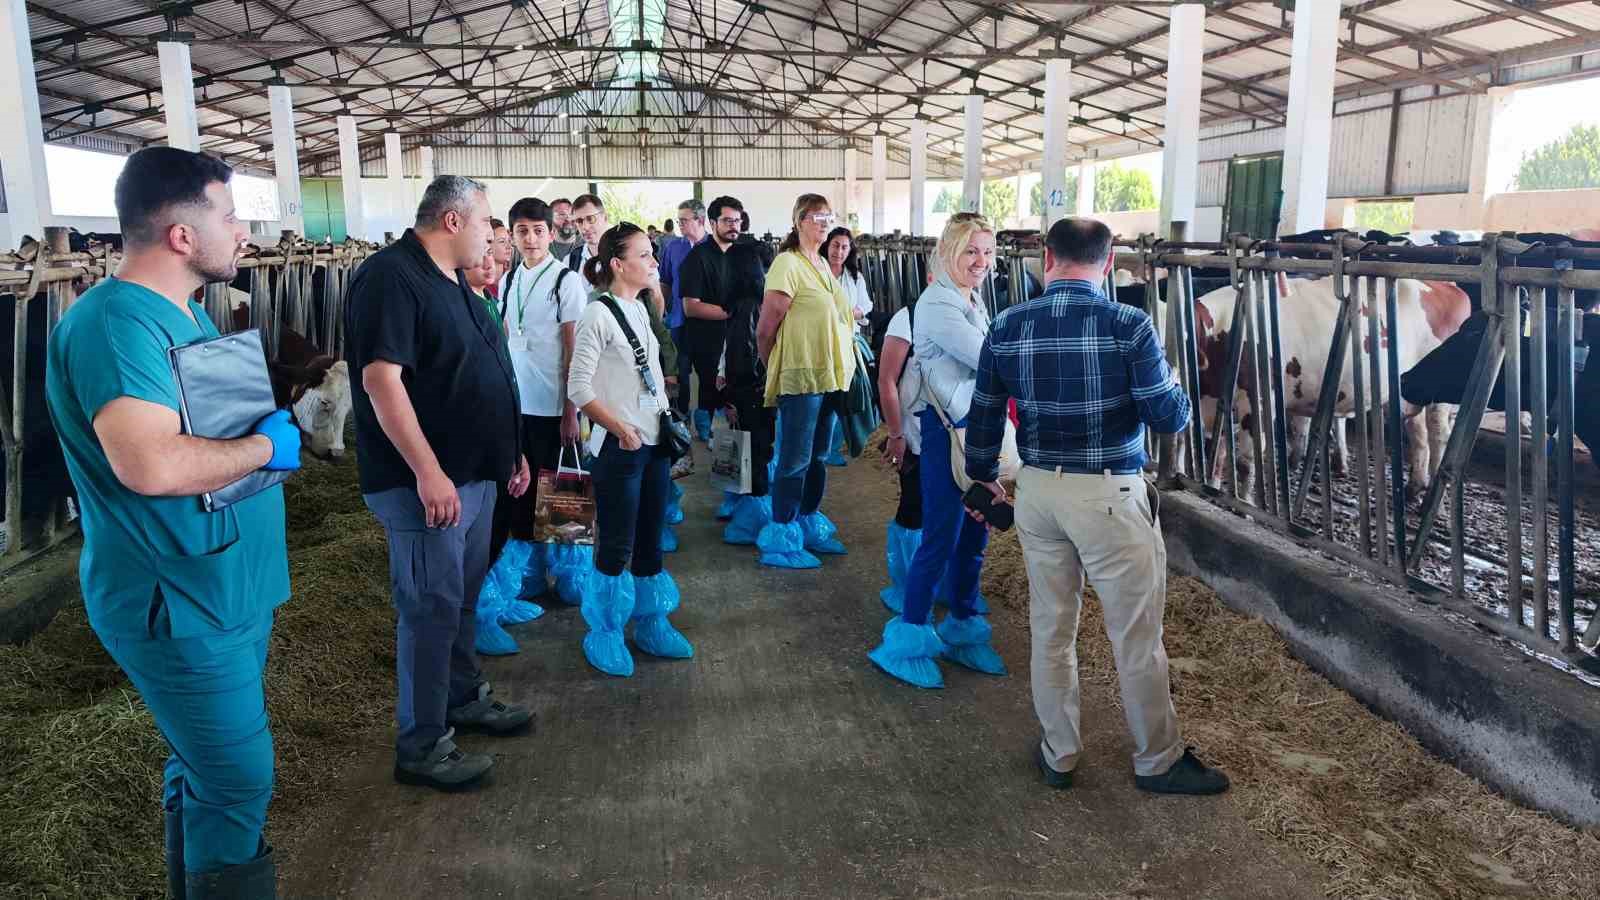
(806,339)
(616,379)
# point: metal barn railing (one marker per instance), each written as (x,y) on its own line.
(281,295)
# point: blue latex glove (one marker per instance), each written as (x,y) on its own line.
(285,438)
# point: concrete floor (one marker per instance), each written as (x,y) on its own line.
(780,763)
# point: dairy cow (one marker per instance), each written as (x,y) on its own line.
(312,384)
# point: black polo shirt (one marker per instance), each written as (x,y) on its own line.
(704,277)
(455,366)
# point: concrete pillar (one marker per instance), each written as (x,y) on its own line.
(1309,130)
(972,157)
(849,204)
(27,189)
(1085,204)
(919,175)
(1180,159)
(1494,154)
(286,160)
(177,95)
(355,219)
(425,161)
(394,175)
(880,177)
(1053,175)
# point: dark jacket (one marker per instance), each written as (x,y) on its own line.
(746,282)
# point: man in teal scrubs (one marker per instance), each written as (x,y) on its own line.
(181,598)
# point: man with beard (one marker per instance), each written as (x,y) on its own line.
(437,423)
(181,598)
(567,238)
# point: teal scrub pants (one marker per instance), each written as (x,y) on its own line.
(206,696)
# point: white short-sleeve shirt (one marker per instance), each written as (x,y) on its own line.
(911,401)
(534,316)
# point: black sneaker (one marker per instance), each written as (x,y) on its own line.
(1187,776)
(1058,780)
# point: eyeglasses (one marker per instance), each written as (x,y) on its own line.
(590,219)
(730,222)
(823,218)
(685,220)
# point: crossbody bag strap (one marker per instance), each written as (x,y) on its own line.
(555,293)
(641,361)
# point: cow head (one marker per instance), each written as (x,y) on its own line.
(322,410)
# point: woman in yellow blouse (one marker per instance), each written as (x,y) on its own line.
(805,337)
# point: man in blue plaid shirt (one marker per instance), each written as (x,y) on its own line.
(1088,376)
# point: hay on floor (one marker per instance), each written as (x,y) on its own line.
(80,758)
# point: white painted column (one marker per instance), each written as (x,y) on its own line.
(286,160)
(177,95)
(880,177)
(919,175)
(1053,174)
(425,175)
(1309,130)
(849,205)
(1495,153)
(394,175)
(27,189)
(1180,159)
(355,219)
(972,157)
(1085,204)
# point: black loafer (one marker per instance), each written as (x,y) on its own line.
(1187,776)
(1058,780)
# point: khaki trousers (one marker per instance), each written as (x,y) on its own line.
(1104,527)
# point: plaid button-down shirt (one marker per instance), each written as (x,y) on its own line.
(1088,375)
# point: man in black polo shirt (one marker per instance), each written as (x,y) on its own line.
(436,422)
(706,304)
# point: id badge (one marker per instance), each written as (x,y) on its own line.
(519,343)
(648,402)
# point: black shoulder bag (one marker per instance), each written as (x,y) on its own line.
(674,442)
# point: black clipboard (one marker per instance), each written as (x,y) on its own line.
(223,392)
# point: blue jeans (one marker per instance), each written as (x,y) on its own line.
(805,431)
(630,491)
(951,539)
(206,696)
(435,575)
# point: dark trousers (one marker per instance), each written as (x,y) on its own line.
(761,421)
(435,574)
(513,516)
(908,514)
(630,491)
(705,369)
(807,438)
(680,340)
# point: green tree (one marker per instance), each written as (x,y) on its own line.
(1571,162)
(999,199)
(1036,195)
(624,204)
(1122,190)
(948,201)
(1390,217)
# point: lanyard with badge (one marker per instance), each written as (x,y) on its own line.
(519,339)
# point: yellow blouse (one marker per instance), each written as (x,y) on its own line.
(815,350)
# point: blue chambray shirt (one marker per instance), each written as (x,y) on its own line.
(1088,375)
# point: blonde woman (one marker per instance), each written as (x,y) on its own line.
(806,338)
(951,324)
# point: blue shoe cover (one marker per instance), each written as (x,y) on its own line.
(899,549)
(784,546)
(750,515)
(536,574)
(966,641)
(655,597)
(729,501)
(772,467)
(702,425)
(669,540)
(819,534)
(573,567)
(607,606)
(674,504)
(941,596)
(908,652)
(491,639)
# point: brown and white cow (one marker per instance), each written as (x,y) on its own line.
(312,384)
(1427,313)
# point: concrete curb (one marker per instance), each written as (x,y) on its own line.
(31,596)
(1525,729)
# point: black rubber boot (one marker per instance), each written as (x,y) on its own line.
(175,881)
(254,880)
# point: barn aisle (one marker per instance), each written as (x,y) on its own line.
(779,762)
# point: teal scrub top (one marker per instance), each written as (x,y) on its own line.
(152,567)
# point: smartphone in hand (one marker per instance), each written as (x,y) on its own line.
(997,513)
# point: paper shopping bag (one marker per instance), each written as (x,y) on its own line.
(730,461)
(563,504)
